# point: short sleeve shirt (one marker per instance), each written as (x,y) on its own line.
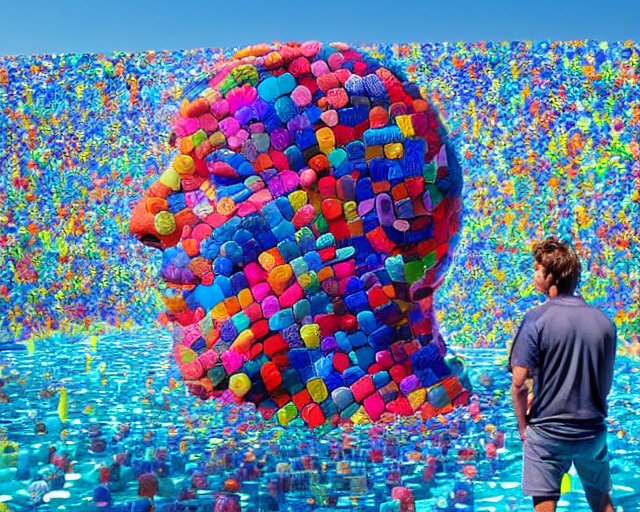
(569,348)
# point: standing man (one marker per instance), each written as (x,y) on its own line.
(568,348)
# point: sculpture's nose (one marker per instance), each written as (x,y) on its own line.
(153,224)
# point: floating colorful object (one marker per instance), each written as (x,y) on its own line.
(309,216)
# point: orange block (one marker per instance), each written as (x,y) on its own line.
(233,305)
(263,162)
(380,186)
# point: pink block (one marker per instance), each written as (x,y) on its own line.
(220,108)
(301,96)
(270,306)
(231,360)
(229,126)
(186,126)
(319,68)
(291,295)
(255,274)
(208,359)
(374,405)
(385,359)
(260,291)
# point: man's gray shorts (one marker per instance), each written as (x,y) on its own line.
(547,460)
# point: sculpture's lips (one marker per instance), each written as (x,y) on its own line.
(151,241)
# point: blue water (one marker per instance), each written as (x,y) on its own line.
(127,379)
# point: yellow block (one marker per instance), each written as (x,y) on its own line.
(317,389)
(393,150)
(219,312)
(298,199)
(360,417)
(183,164)
(171,179)
(417,397)
(164,222)
(242,343)
(239,384)
(217,139)
(350,211)
(310,334)
(326,140)
(245,298)
(404,123)
(267,261)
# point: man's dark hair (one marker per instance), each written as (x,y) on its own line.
(561,261)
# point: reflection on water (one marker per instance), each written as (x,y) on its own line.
(71,406)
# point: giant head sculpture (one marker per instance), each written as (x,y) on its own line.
(309,214)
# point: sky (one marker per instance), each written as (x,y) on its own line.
(78,26)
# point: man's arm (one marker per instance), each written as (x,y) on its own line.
(519,395)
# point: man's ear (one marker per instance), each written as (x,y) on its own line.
(549,280)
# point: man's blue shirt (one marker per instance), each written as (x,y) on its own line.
(570,348)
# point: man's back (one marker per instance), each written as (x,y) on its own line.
(570,347)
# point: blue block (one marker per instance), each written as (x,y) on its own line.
(366,357)
(283,230)
(379,169)
(305,138)
(313,113)
(286,108)
(370,221)
(357,339)
(343,341)
(333,380)
(352,374)
(295,157)
(320,304)
(382,337)
(357,302)
(239,282)
(176,202)
(413,159)
(285,208)
(364,189)
(270,118)
(367,321)
(288,249)
(381,379)
(224,283)
(228,331)
(283,318)
(232,251)
(299,358)
(222,266)
(313,260)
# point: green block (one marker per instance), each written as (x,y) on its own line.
(413,271)
(429,260)
(337,157)
(246,74)
(350,411)
(199,137)
(217,374)
(430,172)
(301,309)
(287,413)
(320,223)
(241,321)
(435,195)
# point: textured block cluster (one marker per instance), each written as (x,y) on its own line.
(308,216)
